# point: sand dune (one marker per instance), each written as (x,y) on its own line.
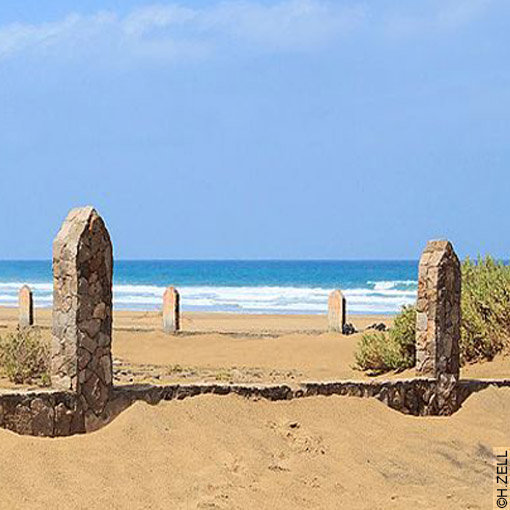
(317,453)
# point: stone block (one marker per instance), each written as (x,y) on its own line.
(26,307)
(171,310)
(336,311)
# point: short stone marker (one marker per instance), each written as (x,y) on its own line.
(82,310)
(26,307)
(171,311)
(336,311)
(438,311)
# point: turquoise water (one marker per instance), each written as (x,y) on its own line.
(237,286)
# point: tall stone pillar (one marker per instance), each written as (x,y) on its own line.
(438,312)
(82,309)
(336,311)
(171,311)
(26,307)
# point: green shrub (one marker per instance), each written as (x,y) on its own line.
(25,356)
(375,353)
(485,326)
(380,352)
(404,335)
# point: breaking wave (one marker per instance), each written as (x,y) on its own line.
(376,297)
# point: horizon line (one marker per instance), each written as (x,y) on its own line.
(233,260)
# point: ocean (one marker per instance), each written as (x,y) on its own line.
(272,286)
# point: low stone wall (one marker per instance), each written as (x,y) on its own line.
(58,413)
(41,413)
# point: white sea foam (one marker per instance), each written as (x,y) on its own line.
(15,286)
(378,297)
(392,284)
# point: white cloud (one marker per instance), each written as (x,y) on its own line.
(18,38)
(172,30)
(176,31)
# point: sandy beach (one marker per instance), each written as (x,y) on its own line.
(238,348)
(228,452)
(225,347)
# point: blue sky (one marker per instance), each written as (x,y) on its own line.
(257,129)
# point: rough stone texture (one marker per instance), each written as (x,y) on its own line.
(82,310)
(41,413)
(336,311)
(438,313)
(171,311)
(26,307)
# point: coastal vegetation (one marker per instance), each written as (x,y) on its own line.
(25,357)
(383,351)
(485,326)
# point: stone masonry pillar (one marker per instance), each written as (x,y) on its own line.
(171,311)
(26,307)
(438,312)
(336,311)
(82,310)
